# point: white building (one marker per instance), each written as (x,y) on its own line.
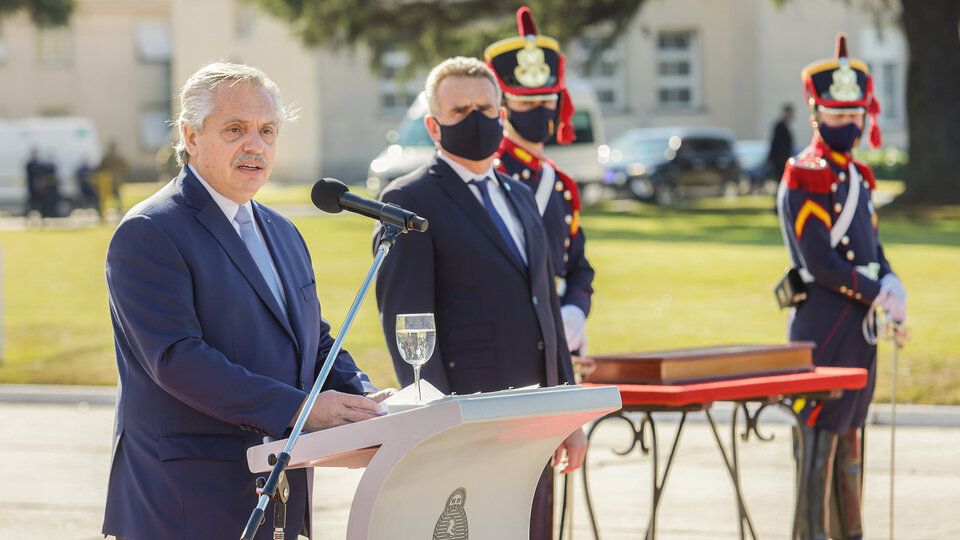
(730,63)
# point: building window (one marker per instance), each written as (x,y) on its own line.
(245,17)
(153,41)
(889,100)
(678,81)
(54,45)
(398,89)
(154,127)
(604,70)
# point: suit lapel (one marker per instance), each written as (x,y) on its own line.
(530,221)
(463,197)
(212,218)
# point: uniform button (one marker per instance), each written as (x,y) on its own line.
(516,176)
(525,174)
(566,242)
(845,240)
(567,195)
(566,257)
(833,187)
(850,255)
(540,345)
(837,208)
(302,385)
(850,294)
(843,176)
(496,163)
(535,300)
(858,296)
(452,364)
(843,289)
(558,186)
(568,219)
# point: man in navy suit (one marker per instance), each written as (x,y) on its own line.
(217,328)
(483,267)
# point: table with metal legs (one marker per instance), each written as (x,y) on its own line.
(751,396)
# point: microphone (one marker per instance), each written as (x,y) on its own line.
(333,196)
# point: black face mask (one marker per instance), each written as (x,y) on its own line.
(476,137)
(534,125)
(840,138)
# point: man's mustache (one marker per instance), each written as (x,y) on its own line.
(251,158)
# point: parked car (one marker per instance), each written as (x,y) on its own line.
(663,163)
(754,169)
(411,146)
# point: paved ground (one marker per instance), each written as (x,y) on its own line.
(54,460)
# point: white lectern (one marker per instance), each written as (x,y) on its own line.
(457,468)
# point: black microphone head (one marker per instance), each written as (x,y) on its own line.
(326,194)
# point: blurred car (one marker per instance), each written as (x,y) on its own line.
(754,169)
(411,147)
(663,163)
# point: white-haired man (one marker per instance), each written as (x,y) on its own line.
(217,327)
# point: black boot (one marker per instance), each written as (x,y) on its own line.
(816,476)
(847,470)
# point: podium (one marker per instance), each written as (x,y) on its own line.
(459,467)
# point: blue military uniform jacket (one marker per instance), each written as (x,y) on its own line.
(842,279)
(561,219)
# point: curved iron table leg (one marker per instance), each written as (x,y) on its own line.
(659,483)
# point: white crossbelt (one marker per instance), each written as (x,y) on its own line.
(547,177)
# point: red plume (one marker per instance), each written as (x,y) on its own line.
(525,22)
(873,109)
(565,133)
(841,50)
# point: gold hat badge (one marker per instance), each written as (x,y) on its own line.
(532,70)
(845,87)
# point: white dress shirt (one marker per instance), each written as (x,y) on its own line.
(500,202)
(230,210)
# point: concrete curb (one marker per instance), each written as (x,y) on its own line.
(947,416)
(55,394)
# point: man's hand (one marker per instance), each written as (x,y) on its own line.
(334,408)
(574,326)
(575,447)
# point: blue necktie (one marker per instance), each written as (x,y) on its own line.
(497,220)
(259,253)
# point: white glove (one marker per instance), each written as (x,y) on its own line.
(574,326)
(892,297)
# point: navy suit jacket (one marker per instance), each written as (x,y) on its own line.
(498,324)
(208,364)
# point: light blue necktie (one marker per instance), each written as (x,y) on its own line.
(259,253)
(481,183)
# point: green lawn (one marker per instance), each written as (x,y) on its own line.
(701,274)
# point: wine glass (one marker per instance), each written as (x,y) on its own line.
(416,338)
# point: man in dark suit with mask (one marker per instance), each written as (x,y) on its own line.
(483,266)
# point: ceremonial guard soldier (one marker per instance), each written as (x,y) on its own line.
(530,71)
(829,225)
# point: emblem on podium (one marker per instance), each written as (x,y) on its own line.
(452,524)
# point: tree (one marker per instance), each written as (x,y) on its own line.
(430,30)
(42,12)
(933,100)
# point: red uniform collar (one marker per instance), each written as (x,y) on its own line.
(528,157)
(820,148)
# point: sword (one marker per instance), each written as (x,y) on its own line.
(898,334)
